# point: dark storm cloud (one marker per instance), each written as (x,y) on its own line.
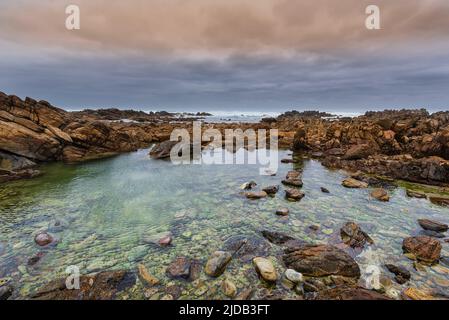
(240,55)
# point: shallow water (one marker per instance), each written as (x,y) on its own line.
(104,209)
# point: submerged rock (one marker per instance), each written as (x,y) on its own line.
(35,259)
(423,248)
(181,268)
(43,239)
(353,183)
(265,269)
(402,275)
(245,247)
(324,190)
(146,277)
(294,194)
(416,294)
(353,236)
(350,293)
(282,212)
(277,237)
(431,225)
(217,263)
(5,292)
(162,239)
(380,194)
(101,286)
(321,260)
(245,294)
(229,289)
(248,185)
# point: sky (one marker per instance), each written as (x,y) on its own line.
(245,55)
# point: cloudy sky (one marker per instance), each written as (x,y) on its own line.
(247,55)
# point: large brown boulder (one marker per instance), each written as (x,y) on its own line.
(423,248)
(321,260)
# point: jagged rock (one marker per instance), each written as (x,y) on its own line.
(353,236)
(294,194)
(353,183)
(380,194)
(265,269)
(321,260)
(217,263)
(101,286)
(423,248)
(433,225)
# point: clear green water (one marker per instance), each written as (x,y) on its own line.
(106,207)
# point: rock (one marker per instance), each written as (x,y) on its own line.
(162,150)
(101,286)
(380,194)
(359,151)
(402,275)
(248,185)
(229,288)
(441,201)
(5,292)
(256,195)
(162,239)
(431,233)
(415,194)
(43,239)
(282,212)
(174,290)
(424,248)
(294,276)
(146,278)
(271,190)
(436,226)
(217,263)
(179,268)
(165,241)
(350,293)
(245,247)
(294,194)
(277,237)
(137,253)
(321,260)
(416,294)
(353,183)
(265,269)
(293,179)
(35,259)
(287,161)
(353,236)
(324,190)
(167,297)
(245,294)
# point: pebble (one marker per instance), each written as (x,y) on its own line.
(229,289)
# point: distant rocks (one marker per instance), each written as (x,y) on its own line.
(294,194)
(321,260)
(354,184)
(423,248)
(43,238)
(217,263)
(265,269)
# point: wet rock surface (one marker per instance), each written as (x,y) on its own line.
(350,293)
(321,260)
(433,225)
(353,236)
(294,194)
(402,275)
(423,248)
(217,263)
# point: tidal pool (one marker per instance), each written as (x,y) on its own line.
(101,211)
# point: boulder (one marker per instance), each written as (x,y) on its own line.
(217,263)
(265,269)
(423,248)
(359,151)
(248,185)
(436,226)
(321,260)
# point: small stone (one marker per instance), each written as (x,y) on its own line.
(294,276)
(380,194)
(248,185)
(282,212)
(229,288)
(179,268)
(43,239)
(353,183)
(436,226)
(217,263)
(167,297)
(271,190)
(146,277)
(414,194)
(256,195)
(265,269)
(165,241)
(294,194)
(324,190)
